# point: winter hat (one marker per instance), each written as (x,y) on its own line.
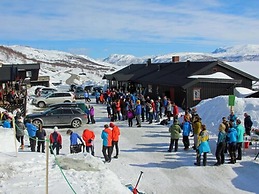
(55,128)
(112,125)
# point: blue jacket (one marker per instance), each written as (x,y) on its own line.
(240,133)
(138,110)
(232,135)
(186,128)
(221,137)
(7,124)
(31,129)
(73,138)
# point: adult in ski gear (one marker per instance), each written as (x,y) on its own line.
(31,128)
(204,147)
(75,147)
(41,134)
(88,136)
(248,124)
(20,127)
(186,132)
(175,131)
(138,113)
(55,141)
(196,130)
(232,140)
(107,143)
(221,144)
(115,138)
(240,139)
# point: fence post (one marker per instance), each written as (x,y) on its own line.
(47,166)
(15,142)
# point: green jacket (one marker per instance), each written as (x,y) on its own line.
(175,131)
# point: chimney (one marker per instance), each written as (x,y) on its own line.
(148,62)
(175,59)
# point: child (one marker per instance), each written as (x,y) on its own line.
(92,115)
(130,115)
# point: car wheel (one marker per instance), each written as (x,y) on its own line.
(37,122)
(76,123)
(67,101)
(41,104)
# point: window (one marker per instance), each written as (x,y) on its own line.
(196,94)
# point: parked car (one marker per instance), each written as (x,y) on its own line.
(44,91)
(56,97)
(79,92)
(60,116)
(80,105)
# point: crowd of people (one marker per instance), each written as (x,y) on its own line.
(137,108)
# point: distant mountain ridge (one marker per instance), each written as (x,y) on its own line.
(229,54)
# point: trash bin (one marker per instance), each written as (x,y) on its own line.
(246,144)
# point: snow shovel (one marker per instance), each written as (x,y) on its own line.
(135,191)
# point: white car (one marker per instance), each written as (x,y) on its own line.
(56,97)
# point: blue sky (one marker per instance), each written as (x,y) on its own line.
(136,27)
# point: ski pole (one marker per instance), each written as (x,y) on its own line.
(135,191)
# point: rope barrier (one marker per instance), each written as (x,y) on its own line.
(55,157)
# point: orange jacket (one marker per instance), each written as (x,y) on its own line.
(115,133)
(118,106)
(88,136)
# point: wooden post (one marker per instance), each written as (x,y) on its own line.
(47,166)
(15,141)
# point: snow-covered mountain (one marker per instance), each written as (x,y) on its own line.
(53,61)
(238,53)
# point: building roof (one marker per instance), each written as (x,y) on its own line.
(176,74)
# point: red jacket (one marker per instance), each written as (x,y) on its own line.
(57,140)
(88,135)
(115,133)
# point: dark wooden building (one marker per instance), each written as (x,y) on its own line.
(185,83)
(13,84)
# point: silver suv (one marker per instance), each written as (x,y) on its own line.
(56,97)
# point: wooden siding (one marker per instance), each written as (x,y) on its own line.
(208,90)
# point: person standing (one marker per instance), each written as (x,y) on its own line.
(138,113)
(115,138)
(196,130)
(175,110)
(91,112)
(41,134)
(175,131)
(20,127)
(107,143)
(240,139)
(221,144)
(31,128)
(86,96)
(232,140)
(186,132)
(203,147)
(248,124)
(74,146)
(88,136)
(130,116)
(55,141)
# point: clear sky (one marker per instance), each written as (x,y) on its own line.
(99,28)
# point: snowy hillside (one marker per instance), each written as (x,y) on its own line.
(53,61)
